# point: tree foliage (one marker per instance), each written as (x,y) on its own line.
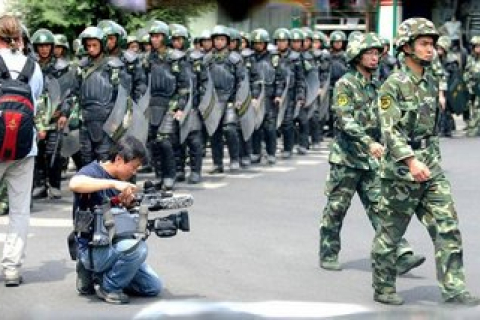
(70,17)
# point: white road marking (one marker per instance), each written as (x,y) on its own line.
(44,222)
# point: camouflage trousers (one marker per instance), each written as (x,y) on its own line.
(342,183)
(473,128)
(433,204)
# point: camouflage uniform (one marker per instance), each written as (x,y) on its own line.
(472,79)
(352,169)
(408,112)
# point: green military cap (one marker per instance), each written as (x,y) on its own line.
(412,28)
(62,41)
(354,34)
(338,35)
(445,42)
(362,43)
(282,34)
(297,34)
(260,35)
(43,36)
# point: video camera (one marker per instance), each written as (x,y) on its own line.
(111,222)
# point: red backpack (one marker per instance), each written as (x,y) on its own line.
(17,112)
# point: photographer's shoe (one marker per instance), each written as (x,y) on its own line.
(388,298)
(407,262)
(111,297)
(464,298)
(84,281)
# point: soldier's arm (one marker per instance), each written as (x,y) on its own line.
(40,116)
(390,116)
(467,77)
(183,84)
(300,81)
(280,79)
(344,108)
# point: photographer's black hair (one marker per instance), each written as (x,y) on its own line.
(128,148)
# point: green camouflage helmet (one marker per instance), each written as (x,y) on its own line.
(385,41)
(132,39)
(93,33)
(245,35)
(354,34)
(363,43)
(205,35)
(413,28)
(475,41)
(444,42)
(319,35)
(308,33)
(43,36)
(111,28)
(282,34)
(260,35)
(143,36)
(159,27)
(179,31)
(220,31)
(338,35)
(235,35)
(62,41)
(297,34)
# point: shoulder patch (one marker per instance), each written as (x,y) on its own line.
(342,100)
(385,102)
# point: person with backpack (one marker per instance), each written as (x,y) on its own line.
(22,84)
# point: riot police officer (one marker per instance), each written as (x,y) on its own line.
(227,72)
(291,64)
(61,46)
(52,114)
(170,87)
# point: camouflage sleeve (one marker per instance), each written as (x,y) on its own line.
(300,81)
(390,116)
(343,106)
(183,71)
(439,73)
(467,76)
(40,116)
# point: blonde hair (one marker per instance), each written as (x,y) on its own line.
(11,31)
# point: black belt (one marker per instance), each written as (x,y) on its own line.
(419,144)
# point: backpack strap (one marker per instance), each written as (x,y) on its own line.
(4,72)
(27,71)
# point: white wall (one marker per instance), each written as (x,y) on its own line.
(207,20)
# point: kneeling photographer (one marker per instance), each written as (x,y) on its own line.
(111,271)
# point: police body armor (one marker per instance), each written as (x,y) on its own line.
(339,67)
(98,94)
(163,70)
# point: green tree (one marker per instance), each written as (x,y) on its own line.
(70,17)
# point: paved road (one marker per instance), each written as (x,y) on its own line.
(254,240)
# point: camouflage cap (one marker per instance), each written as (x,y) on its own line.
(338,35)
(61,41)
(413,28)
(282,34)
(444,42)
(362,43)
(475,41)
(385,41)
(354,34)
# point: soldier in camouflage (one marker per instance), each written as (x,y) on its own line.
(51,118)
(387,62)
(355,152)
(412,179)
(472,80)
(291,64)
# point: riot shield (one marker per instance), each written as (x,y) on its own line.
(457,93)
(70,143)
(184,122)
(210,108)
(260,108)
(284,103)
(324,100)
(313,85)
(116,117)
(139,121)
